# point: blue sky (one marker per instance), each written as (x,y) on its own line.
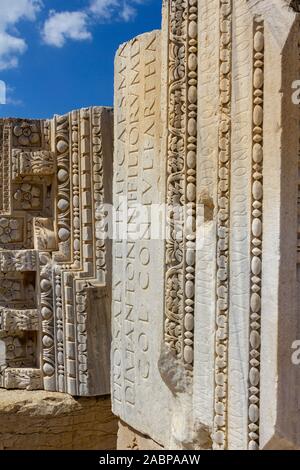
(58,55)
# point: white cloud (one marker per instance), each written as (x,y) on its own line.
(61,26)
(104,8)
(114,9)
(11,13)
(128,12)
(14,10)
(66,25)
(10,47)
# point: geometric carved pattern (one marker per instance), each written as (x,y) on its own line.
(223,227)
(256,234)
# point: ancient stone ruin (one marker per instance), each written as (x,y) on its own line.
(204,321)
(194,293)
(55,177)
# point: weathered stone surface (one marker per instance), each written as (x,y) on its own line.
(54,421)
(129,439)
(55,260)
(138,394)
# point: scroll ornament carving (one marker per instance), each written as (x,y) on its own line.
(181,179)
(38,163)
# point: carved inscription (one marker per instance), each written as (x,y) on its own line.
(137,257)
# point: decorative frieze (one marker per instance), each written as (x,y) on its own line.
(181,178)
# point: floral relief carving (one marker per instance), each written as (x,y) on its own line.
(27,134)
(19,351)
(10,230)
(16,287)
(10,290)
(28,197)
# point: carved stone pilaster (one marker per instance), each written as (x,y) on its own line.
(181,178)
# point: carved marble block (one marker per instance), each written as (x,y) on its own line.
(246,312)
(55,267)
(138,396)
(224,311)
